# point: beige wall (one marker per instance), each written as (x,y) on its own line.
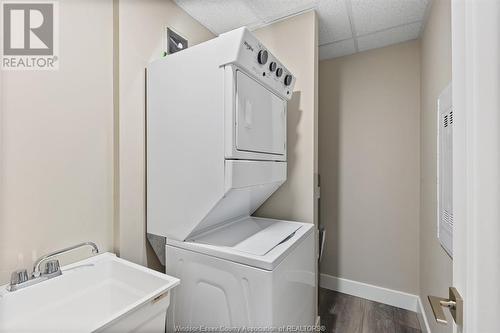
(295,200)
(56,170)
(369,105)
(435,265)
(140,29)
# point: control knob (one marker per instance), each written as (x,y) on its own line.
(262,57)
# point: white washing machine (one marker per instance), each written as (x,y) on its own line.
(216,150)
(253,273)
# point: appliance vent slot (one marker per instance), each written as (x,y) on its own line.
(445,171)
(447,218)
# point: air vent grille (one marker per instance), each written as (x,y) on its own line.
(445,171)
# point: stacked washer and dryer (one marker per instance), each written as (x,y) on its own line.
(216,150)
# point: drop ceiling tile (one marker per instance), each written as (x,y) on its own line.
(220,16)
(337,49)
(377,23)
(333,20)
(270,10)
(375,15)
(389,36)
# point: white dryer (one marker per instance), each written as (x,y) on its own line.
(216,150)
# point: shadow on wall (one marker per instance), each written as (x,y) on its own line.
(152,260)
(282,202)
(328,161)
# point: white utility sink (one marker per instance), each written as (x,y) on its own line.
(100,294)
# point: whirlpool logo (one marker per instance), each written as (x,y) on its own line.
(248,46)
(30,35)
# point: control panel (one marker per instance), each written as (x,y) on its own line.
(255,58)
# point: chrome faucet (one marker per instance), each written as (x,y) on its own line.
(36,266)
(20,279)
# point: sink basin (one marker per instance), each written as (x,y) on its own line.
(100,294)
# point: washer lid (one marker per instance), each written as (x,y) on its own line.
(251,235)
(257,242)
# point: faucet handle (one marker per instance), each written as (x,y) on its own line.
(19,276)
(51,267)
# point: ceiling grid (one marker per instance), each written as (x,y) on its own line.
(345,26)
(351,22)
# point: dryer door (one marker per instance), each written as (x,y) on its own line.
(260,118)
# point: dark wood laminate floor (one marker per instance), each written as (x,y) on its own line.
(341,313)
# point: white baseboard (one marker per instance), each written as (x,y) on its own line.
(422,318)
(373,293)
(378,294)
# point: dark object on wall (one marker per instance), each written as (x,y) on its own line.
(175,42)
(158,244)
